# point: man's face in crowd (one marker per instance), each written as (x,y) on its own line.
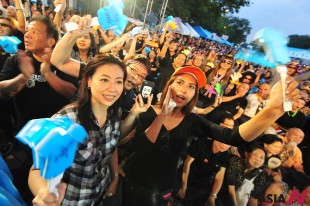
(36,38)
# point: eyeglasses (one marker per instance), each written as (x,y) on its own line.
(135,72)
(248,78)
(227,61)
(5,25)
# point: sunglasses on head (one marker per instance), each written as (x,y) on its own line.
(227,61)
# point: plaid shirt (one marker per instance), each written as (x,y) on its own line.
(89,175)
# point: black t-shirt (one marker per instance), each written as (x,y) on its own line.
(37,99)
(206,164)
(165,74)
(139,45)
(3,57)
(234,105)
(155,164)
(168,59)
(289,120)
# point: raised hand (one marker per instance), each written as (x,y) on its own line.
(139,105)
(46,198)
(276,97)
(25,64)
(63,7)
(83,25)
(168,104)
(45,66)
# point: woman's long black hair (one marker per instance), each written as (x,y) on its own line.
(84,102)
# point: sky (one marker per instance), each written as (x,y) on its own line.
(289,16)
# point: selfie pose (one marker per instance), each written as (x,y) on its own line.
(164,129)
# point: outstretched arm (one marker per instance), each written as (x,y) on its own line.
(62,51)
(58,16)
(20,14)
(267,116)
(106,48)
(39,189)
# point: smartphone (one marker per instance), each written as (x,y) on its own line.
(146,90)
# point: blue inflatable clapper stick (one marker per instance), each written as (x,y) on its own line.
(59,147)
(136,30)
(31,134)
(9,44)
(274,44)
(54,142)
(111,17)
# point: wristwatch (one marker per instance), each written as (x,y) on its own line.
(213,195)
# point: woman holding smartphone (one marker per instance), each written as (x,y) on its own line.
(164,129)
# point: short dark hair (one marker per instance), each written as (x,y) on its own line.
(253,147)
(173,41)
(51,28)
(270,138)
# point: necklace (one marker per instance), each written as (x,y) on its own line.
(292,115)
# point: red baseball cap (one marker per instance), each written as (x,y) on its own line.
(196,72)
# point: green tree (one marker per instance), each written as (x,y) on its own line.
(236,28)
(299,41)
(213,15)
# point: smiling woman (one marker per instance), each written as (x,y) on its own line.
(98,111)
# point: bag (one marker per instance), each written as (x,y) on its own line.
(244,191)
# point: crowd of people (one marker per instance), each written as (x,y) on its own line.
(213,131)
